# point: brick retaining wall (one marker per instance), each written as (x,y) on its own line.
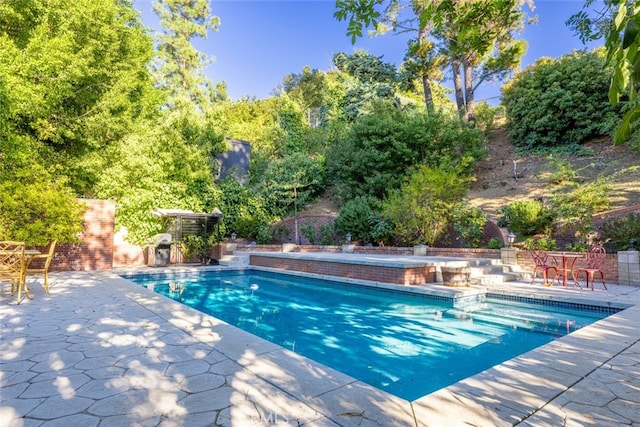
(609,266)
(376,273)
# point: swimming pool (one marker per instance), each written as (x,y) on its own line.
(406,344)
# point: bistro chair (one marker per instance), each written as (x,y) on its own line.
(540,258)
(43,266)
(12,265)
(594,258)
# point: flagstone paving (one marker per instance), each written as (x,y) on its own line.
(101,351)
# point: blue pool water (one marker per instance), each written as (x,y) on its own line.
(406,344)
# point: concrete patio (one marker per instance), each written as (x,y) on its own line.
(101,351)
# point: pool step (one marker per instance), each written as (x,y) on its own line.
(492,272)
(523,320)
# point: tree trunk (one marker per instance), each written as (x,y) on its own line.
(457,85)
(428,96)
(469,115)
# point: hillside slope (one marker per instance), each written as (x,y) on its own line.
(495,185)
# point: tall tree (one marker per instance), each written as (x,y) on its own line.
(73,83)
(308,89)
(180,64)
(476,36)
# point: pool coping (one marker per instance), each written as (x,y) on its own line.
(516,391)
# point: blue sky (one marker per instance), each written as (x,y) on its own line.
(261,41)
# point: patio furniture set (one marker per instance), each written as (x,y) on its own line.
(15,265)
(559,265)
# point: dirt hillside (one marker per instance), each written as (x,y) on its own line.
(505,177)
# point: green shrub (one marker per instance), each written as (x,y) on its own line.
(374,155)
(193,246)
(308,230)
(296,179)
(495,243)
(273,234)
(526,218)
(245,211)
(541,243)
(468,223)
(39,212)
(381,229)
(619,232)
(327,234)
(354,218)
(422,209)
(560,102)
(562,171)
(485,116)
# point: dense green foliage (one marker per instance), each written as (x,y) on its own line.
(468,224)
(621,234)
(355,218)
(526,218)
(422,208)
(380,148)
(78,86)
(88,108)
(245,211)
(618,22)
(559,103)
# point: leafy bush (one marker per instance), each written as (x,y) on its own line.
(526,218)
(354,218)
(468,223)
(485,116)
(327,234)
(294,179)
(557,102)
(541,243)
(619,232)
(422,208)
(308,230)
(244,210)
(381,229)
(197,246)
(494,243)
(375,155)
(274,234)
(38,213)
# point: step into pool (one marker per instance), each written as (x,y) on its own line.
(404,343)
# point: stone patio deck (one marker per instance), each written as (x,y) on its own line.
(101,351)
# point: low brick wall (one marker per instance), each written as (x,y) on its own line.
(609,266)
(464,252)
(376,273)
